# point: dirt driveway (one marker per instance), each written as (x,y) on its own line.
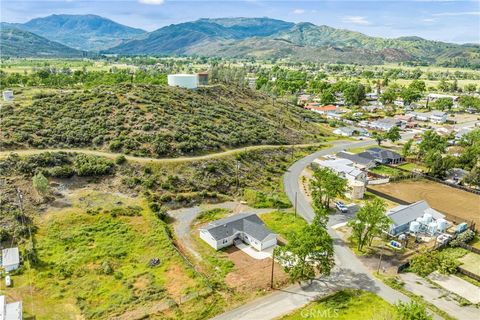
(250,274)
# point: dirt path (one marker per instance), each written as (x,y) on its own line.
(112,155)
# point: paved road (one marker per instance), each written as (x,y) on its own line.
(348,273)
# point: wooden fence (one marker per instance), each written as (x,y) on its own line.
(468,273)
(469,248)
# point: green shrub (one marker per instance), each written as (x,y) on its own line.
(88,165)
(464,237)
(120,159)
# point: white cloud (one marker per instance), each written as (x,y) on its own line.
(429,20)
(356,20)
(299,11)
(154,2)
(465,13)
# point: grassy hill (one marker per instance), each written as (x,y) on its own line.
(155,121)
(83,32)
(19,43)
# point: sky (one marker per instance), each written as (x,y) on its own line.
(444,20)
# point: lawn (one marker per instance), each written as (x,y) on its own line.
(283,222)
(346,305)
(475,242)
(94,263)
(413,167)
(387,171)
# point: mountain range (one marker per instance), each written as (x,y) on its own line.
(248,37)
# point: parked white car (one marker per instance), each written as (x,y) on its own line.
(341,207)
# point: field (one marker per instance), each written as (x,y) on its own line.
(283,223)
(346,305)
(446,199)
(471,262)
(92,262)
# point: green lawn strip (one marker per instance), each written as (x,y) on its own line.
(98,263)
(211,215)
(410,166)
(387,171)
(397,284)
(345,305)
(283,223)
(475,242)
(471,262)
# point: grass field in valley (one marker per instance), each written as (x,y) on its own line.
(345,305)
(93,262)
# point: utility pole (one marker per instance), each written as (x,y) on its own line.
(380,261)
(295,204)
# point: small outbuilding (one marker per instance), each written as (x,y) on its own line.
(189,81)
(10,259)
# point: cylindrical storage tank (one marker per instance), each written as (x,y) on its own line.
(419,220)
(414,226)
(427,217)
(357,190)
(432,227)
(441,225)
(189,81)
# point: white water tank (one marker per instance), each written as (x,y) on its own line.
(427,217)
(432,227)
(441,225)
(414,226)
(8,95)
(189,81)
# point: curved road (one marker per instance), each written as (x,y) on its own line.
(349,271)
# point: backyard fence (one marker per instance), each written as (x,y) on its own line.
(469,248)
(387,196)
(468,273)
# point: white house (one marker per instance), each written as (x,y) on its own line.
(350,131)
(385,124)
(10,311)
(10,259)
(438,116)
(8,95)
(344,168)
(246,227)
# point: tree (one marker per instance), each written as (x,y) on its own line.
(418,85)
(432,141)
(40,183)
(469,102)
(325,186)
(407,148)
(379,137)
(327,97)
(442,104)
(389,95)
(470,87)
(393,134)
(370,221)
(437,164)
(410,95)
(412,311)
(309,251)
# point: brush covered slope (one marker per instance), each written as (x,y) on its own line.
(156,121)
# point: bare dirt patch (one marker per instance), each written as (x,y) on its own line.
(451,201)
(250,274)
(177,282)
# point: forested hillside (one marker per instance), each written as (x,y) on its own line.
(149,120)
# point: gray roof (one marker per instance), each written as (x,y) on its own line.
(249,223)
(402,215)
(380,153)
(356,158)
(10,256)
